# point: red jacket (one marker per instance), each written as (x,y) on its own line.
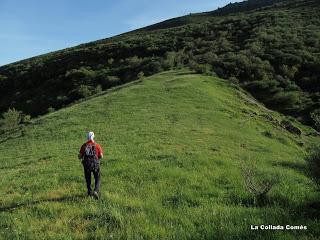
(99,151)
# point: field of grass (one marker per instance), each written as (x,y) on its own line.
(173,146)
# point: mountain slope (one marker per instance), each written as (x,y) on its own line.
(173,145)
(270,50)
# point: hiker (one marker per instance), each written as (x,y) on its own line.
(90,154)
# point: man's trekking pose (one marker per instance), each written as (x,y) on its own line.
(91,153)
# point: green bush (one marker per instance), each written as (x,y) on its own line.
(10,120)
(83,91)
(140,75)
(25,118)
(50,110)
(200,68)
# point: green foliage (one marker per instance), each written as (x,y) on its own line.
(200,68)
(50,110)
(82,75)
(313,161)
(83,91)
(10,120)
(169,61)
(25,118)
(113,80)
(134,61)
(315,115)
(110,61)
(140,75)
(98,89)
(287,100)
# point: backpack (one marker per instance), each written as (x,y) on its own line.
(90,160)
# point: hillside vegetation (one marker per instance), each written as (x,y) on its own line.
(269,47)
(175,146)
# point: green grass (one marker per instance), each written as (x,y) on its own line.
(173,145)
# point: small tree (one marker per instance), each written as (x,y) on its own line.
(10,119)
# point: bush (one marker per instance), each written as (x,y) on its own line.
(154,66)
(10,120)
(169,61)
(315,115)
(313,163)
(140,75)
(257,183)
(25,118)
(98,89)
(234,80)
(83,91)
(82,75)
(200,68)
(50,110)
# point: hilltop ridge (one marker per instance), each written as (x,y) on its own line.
(174,146)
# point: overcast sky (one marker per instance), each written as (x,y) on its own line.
(33,27)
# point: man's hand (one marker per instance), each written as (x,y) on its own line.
(80,156)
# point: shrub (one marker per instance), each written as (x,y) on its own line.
(154,66)
(234,80)
(315,115)
(113,80)
(50,110)
(169,61)
(10,120)
(134,61)
(110,61)
(98,89)
(140,75)
(286,100)
(83,75)
(200,68)
(313,163)
(25,118)
(83,91)
(257,183)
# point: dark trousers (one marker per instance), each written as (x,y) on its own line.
(96,174)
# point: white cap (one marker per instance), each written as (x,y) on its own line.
(90,136)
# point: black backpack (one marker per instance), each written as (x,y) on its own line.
(90,160)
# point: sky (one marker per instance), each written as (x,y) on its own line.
(33,27)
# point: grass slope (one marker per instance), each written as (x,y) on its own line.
(173,144)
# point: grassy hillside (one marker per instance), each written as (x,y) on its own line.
(174,144)
(269,47)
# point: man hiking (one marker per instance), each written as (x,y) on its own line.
(91,153)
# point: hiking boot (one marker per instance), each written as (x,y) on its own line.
(96,195)
(89,193)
